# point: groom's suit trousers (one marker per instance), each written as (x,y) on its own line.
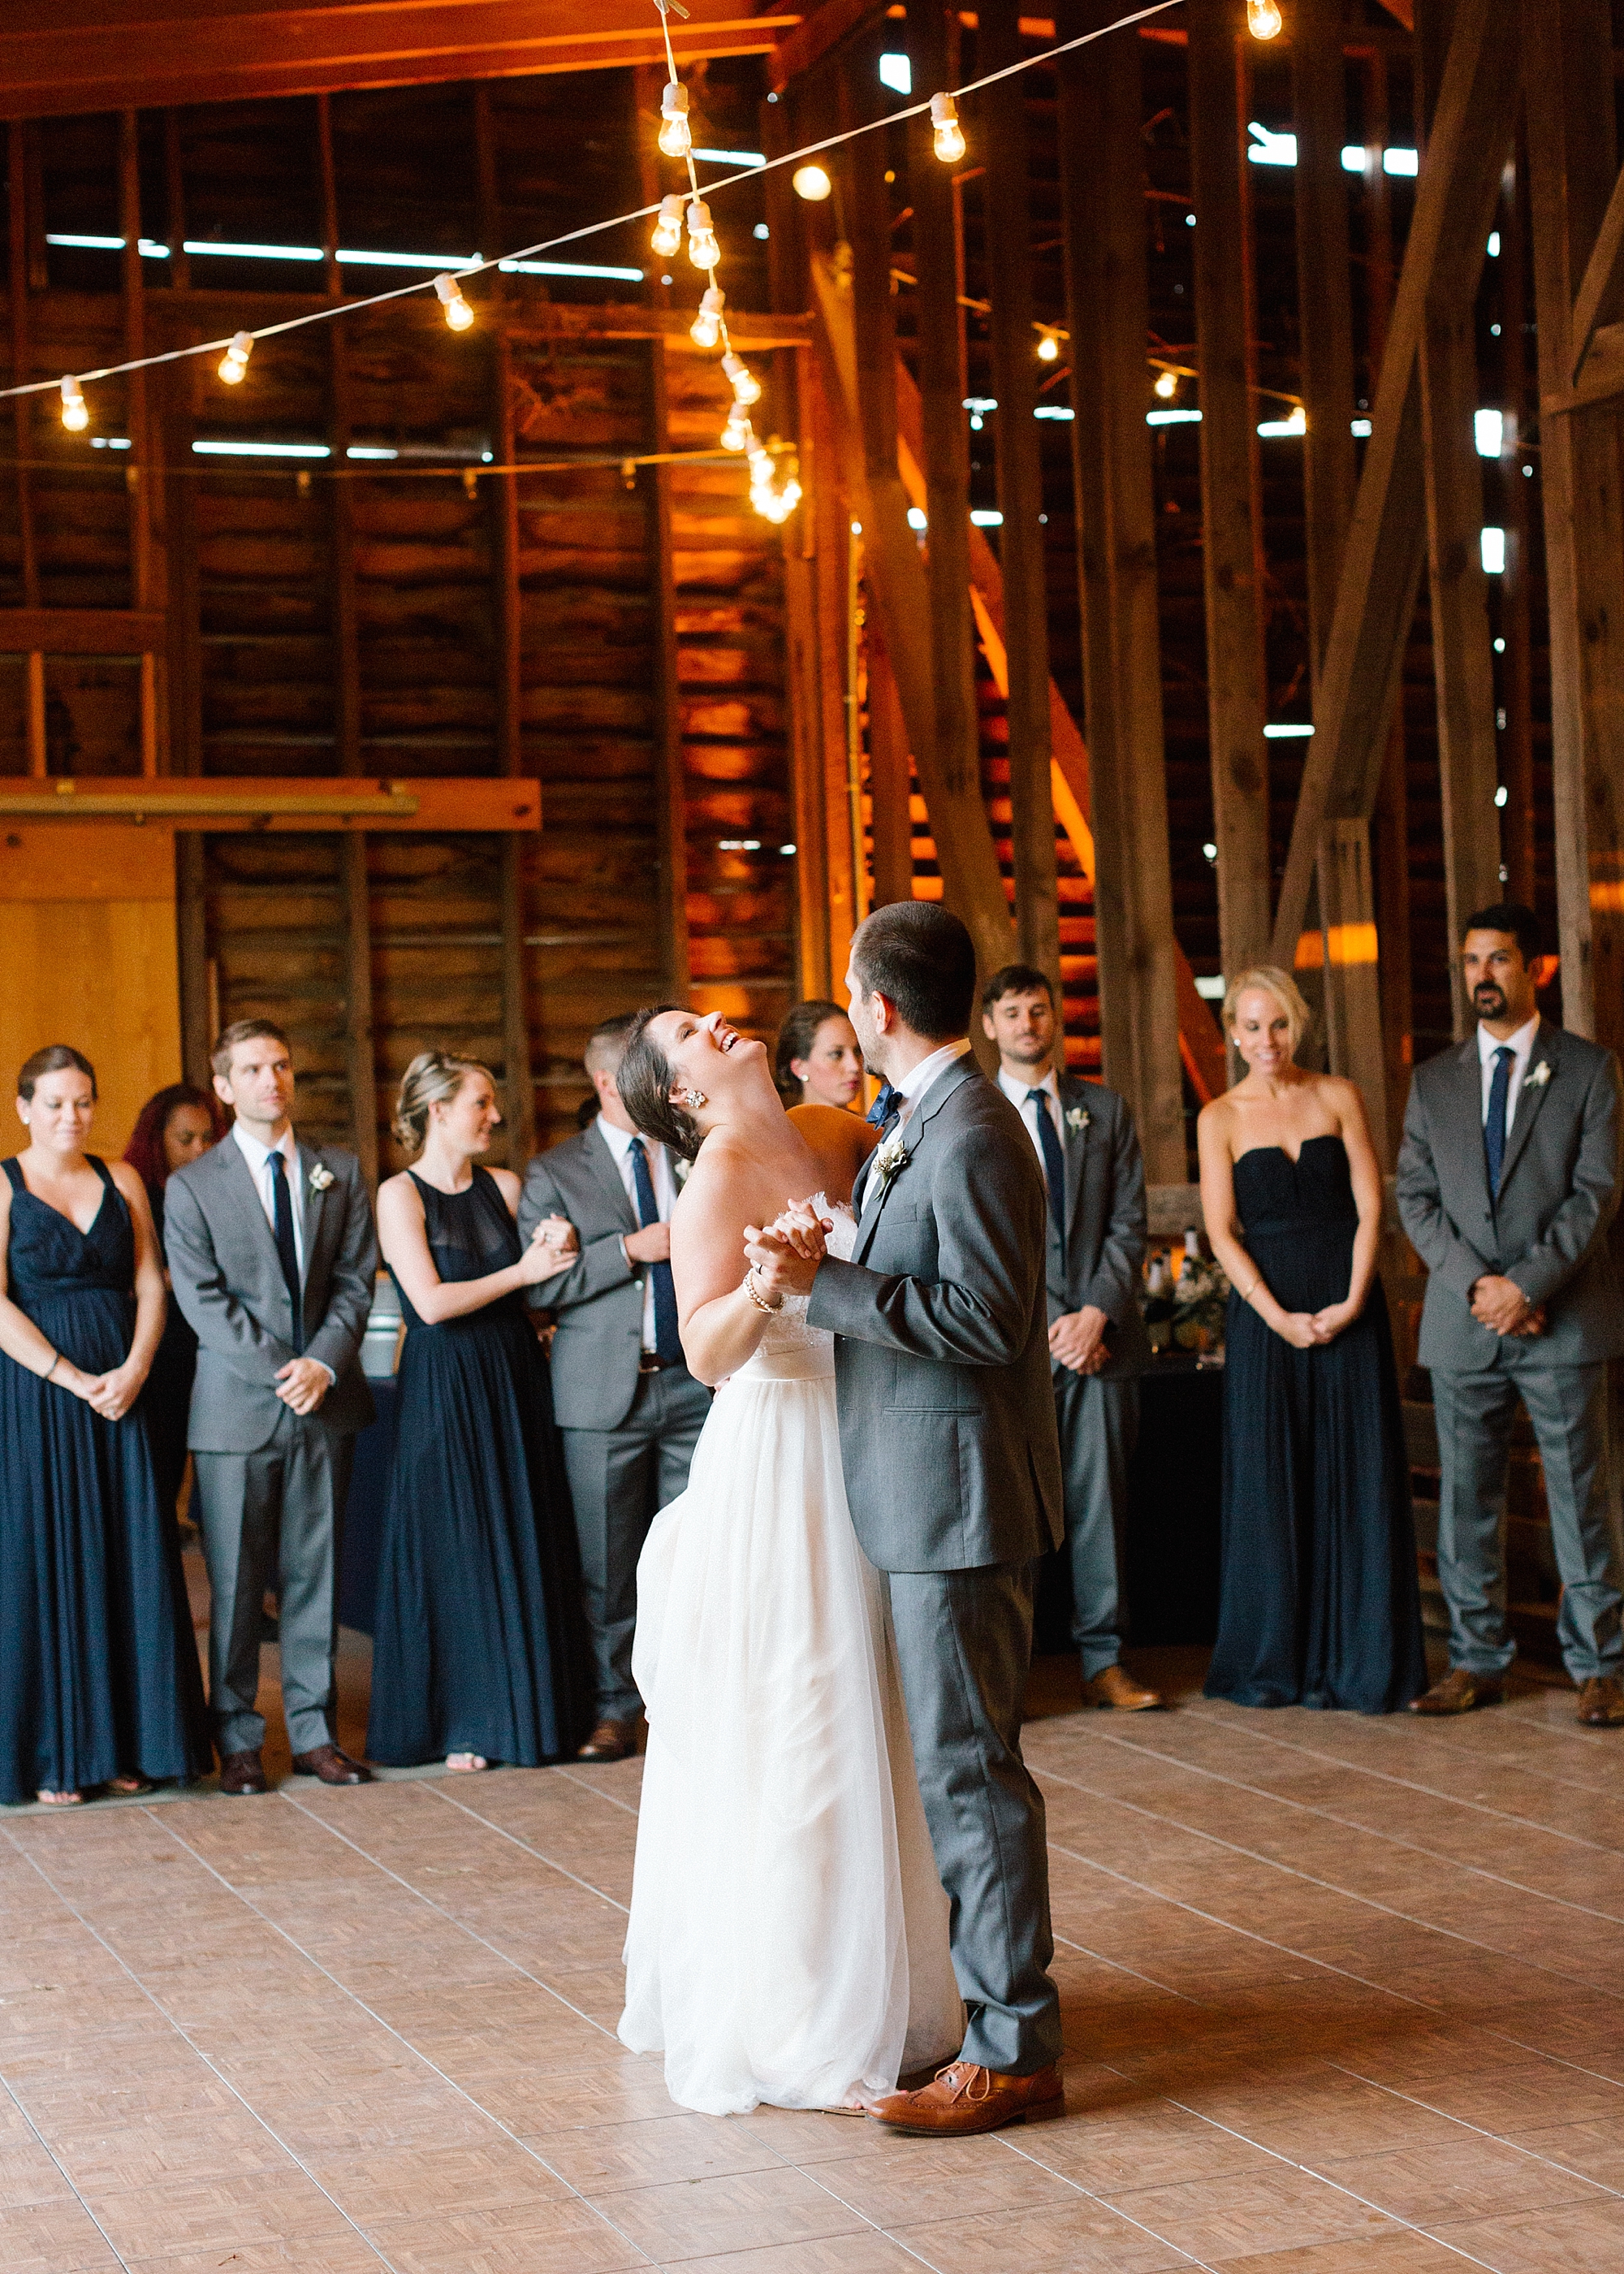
(963,1646)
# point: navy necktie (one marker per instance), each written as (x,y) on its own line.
(282,1201)
(1054,1159)
(1494,1128)
(882,1115)
(667,1340)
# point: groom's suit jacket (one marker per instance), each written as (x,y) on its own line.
(941,1371)
(1559,1192)
(227,1280)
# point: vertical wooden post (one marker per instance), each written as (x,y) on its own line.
(1021,492)
(1352,993)
(1231,516)
(1103,186)
(1390,842)
(1325,314)
(197,1038)
(832,542)
(1515,610)
(890,783)
(1568,78)
(175,199)
(18,173)
(138,472)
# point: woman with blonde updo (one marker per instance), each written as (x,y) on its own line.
(477,1652)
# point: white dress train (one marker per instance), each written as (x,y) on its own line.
(788,1939)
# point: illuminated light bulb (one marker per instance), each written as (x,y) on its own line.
(946,133)
(1048,345)
(234,363)
(811,182)
(703,249)
(746,388)
(1263,19)
(674,139)
(706,329)
(459,315)
(667,237)
(738,434)
(75,416)
(1167,385)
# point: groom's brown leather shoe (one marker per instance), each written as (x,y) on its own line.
(610,1741)
(1461,1691)
(962,2098)
(1115,1687)
(332,1767)
(1601,1702)
(243,1772)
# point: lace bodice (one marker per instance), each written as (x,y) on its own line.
(791,1350)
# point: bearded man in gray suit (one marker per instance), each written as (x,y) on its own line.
(272,1259)
(1509,1180)
(952,1471)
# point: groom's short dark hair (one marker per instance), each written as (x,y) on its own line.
(922,959)
(1512,917)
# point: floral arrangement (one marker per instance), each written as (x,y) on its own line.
(1200,1295)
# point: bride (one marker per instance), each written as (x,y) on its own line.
(788,1940)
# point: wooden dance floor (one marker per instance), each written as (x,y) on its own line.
(1341,1998)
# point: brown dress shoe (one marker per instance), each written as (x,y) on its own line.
(1461,1691)
(1117,1688)
(963,2099)
(243,1772)
(332,1767)
(610,1741)
(1601,1702)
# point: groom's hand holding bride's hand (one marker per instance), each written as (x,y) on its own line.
(784,1256)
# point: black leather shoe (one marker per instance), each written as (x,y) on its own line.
(241,1773)
(332,1767)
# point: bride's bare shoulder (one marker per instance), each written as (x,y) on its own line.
(839,1142)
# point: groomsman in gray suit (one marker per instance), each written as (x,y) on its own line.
(272,1259)
(628,1410)
(1088,1149)
(1509,1180)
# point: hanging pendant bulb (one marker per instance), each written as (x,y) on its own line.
(706,329)
(1048,344)
(1167,385)
(812,182)
(674,138)
(946,133)
(1263,19)
(234,363)
(738,432)
(459,315)
(703,249)
(75,415)
(746,386)
(667,237)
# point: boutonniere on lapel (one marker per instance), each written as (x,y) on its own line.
(679,1169)
(1537,1076)
(1077,1119)
(321,1177)
(891,1156)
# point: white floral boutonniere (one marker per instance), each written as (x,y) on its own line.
(891,1157)
(321,1177)
(1077,1119)
(680,1170)
(1537,1076)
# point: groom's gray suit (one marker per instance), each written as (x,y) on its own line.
(952,1469)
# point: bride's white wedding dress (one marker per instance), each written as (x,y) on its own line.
(788,1940)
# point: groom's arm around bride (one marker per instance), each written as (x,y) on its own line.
(952,1470)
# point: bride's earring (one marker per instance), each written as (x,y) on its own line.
(692,1098)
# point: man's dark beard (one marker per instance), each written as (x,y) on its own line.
(1488,1001)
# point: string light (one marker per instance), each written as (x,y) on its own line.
(706,329)
(947,135)
(75,416)
(703,249)
(1049,344)
(1167,385)
(811,182)
(737,432)
(459,315)
(1263,19)
(234,363)
(746,386)
(667,237)
(674,138)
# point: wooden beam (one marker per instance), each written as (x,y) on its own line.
(228,802)
(1390,846)
(197,1038)
(890,782)
(1231,514)
(1517,584)
(1008,209)
(1102,183)
(360,1065)
(1376,595)
(1324,307)
(81,631)
(1601,290)
(1572,156)
(60,56)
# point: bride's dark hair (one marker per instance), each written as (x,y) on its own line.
(644,1079)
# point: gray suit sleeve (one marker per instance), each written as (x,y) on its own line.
(1114,1286)
(220,1321)
(1582,1219)
(603,1261)
(354,1282)
(989,1248)
(1452,1262)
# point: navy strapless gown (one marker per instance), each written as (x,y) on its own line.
(1319,1603)
(99,1673)
(479,1643)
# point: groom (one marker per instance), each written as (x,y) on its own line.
(952,1469)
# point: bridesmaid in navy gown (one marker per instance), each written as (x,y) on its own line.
(477,1643)
(1320,1602)
(176,1127)
(100,1683)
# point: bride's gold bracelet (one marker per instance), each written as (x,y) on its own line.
(749,1283)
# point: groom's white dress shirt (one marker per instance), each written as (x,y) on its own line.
(1522,1048)
(259,1159)
(913,1086)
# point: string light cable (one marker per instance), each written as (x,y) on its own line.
(941,108)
